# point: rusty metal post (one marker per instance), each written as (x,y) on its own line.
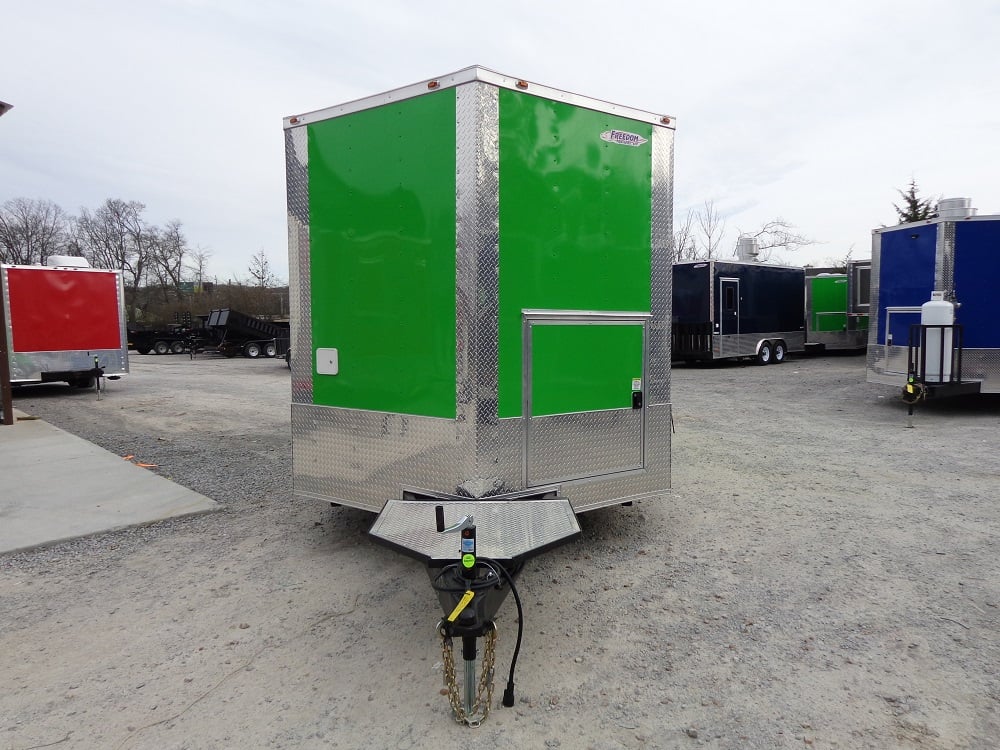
(6,396)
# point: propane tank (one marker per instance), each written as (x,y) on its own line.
(937,357)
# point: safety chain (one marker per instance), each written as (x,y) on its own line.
(480,709)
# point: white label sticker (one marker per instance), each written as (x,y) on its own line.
(623,138)
(636,384)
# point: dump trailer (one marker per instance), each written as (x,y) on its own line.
(951,259)
(174,340)
(232,333)
(837,307)
(480,300)
(737,310)
(64,322)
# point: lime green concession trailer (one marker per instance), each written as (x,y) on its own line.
(837,308)
(481,290)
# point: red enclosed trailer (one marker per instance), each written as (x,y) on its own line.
(64,323)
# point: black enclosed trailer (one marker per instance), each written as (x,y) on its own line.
(734,309)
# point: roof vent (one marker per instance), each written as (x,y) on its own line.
(955,208)
(746,248)
(67,261)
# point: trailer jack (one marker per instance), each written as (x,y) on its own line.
(470,592)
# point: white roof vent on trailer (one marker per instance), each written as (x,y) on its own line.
(955,208)
(746,248)
(67,261)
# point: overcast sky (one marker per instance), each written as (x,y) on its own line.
(812,112)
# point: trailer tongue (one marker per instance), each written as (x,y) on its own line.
(473,565)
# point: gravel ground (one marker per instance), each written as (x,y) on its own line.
(820,575)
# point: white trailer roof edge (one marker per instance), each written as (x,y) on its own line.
(478,73)
(939,220)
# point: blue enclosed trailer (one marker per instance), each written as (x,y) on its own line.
(958,255)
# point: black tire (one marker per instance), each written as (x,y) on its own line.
(161,347)
(177,347)
(142,349)
(780,352)
(252,350)
(270,350)
(765,355)
(82,381)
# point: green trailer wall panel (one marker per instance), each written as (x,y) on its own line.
(837,309)
(828,311)
(382,260)
(480,293)
(575,220)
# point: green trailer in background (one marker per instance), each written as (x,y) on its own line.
(837,309)
(480,288)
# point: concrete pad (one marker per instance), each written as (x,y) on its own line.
(56,486)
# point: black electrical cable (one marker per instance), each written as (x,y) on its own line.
(508,693)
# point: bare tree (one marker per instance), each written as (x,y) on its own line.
(776,234)
(167,258)
(31,230)
(713,229)
(685,245)
(116,236)
(260,270)
(841,263)
(198,266)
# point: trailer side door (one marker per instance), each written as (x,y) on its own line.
(584,410)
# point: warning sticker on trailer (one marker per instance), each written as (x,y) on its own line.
(623,138)
(636,384)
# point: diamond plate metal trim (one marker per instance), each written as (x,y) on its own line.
(874,353)
(363,458)
(661,281)
(505,529)
(27,367)
(745,344)
(590,444)
(477,258)
(944,260)
(299,283)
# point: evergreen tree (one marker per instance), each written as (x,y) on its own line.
(914,207)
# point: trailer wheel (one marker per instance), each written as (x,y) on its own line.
(764,354)
(780,352)
(177,347)
(142,349)
(270,350)
(161,347)
(251,350)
